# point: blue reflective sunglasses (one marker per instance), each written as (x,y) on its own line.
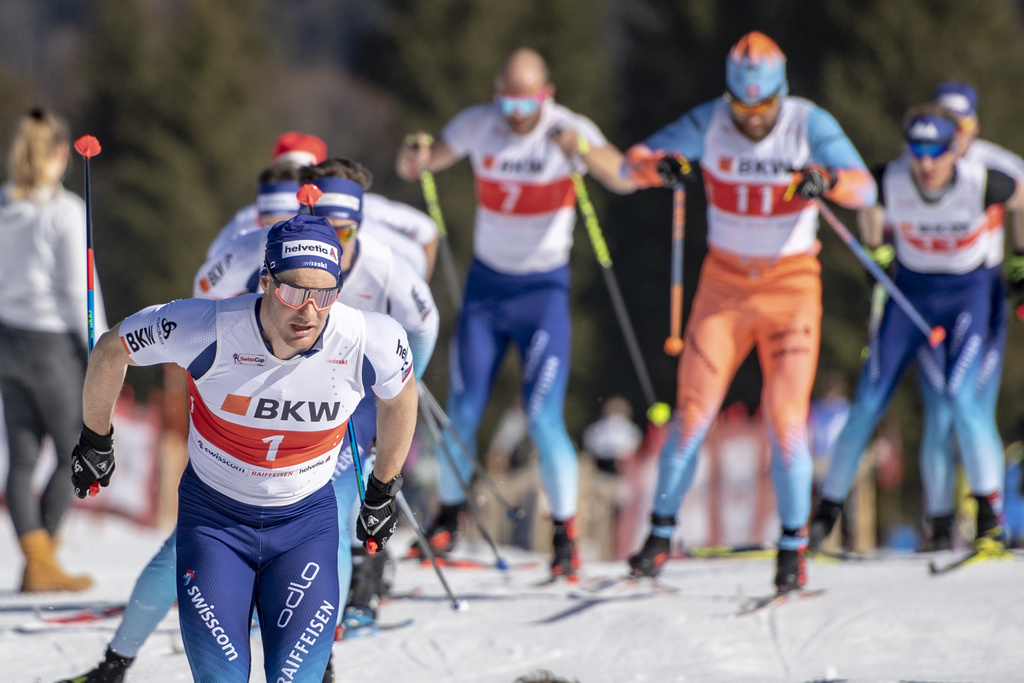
(934,149)
(524,106)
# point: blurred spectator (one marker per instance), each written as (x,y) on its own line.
(614,436)
(43,337)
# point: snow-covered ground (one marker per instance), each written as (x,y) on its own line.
(879,620)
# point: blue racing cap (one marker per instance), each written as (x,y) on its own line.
(755,69)
(930,135)
(343,198)
(304,242)
(276,198)
(957,96)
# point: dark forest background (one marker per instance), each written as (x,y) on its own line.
(188,96)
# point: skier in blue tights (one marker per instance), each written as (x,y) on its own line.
(942,208)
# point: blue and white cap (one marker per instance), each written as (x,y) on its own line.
(343,198)
(930,128)
(755,69)
(277,198)
(303,242)
(957,96)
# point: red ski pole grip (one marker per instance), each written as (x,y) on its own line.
(87,146)
(371,546)
(937,335)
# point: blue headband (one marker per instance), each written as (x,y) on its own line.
(274,199)
(342,198)
(930,128)
(304,242)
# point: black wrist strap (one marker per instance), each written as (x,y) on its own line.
(98,442)
(389,489)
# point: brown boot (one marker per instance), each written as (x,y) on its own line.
(42,572)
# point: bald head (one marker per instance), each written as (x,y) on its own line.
(523,72)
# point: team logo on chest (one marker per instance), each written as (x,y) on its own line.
(761,168)
(285,410)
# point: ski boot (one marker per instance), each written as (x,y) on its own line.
(372,576)
(989,537)
(824,519)
(942,534)
(791,565)
(443,534)
(652,556)
(111,670)
(566,561)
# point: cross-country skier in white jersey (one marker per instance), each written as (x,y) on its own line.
(409,232)
(374,280)
(273,380)
(292,149)
(517,289)
(937,459)
(765,156)
(942,210)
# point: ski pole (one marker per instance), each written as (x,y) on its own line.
(435,432)
(605,261)
(357,469)
(429,188)
(934,335)
(88,147)
(458,604)
(674,343)
(403,505)
(878,299)
(514,512)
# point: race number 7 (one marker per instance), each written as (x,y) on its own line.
(512,192)
(274,442)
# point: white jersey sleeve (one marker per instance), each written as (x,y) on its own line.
(177,332)
(462,132)
(387,350)
(583,127)
(411,303)
(233,270)
(244,220)
(401,218)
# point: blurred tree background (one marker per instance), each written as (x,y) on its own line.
(187,97)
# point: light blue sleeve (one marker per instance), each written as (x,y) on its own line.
(829,144)
(685,135)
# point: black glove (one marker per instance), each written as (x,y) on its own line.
(378,516)
(816,180)
(92,460)
(674,170)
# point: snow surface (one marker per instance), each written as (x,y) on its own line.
(879,620)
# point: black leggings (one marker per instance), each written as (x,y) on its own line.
(41,377)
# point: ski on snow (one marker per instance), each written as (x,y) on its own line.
(770,602)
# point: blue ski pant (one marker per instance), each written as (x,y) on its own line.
(532,312)
(937,458)
(962,304)
(282,561)
(155,591)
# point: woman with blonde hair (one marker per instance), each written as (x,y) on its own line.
(43,337)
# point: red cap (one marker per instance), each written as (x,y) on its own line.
(305,150)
